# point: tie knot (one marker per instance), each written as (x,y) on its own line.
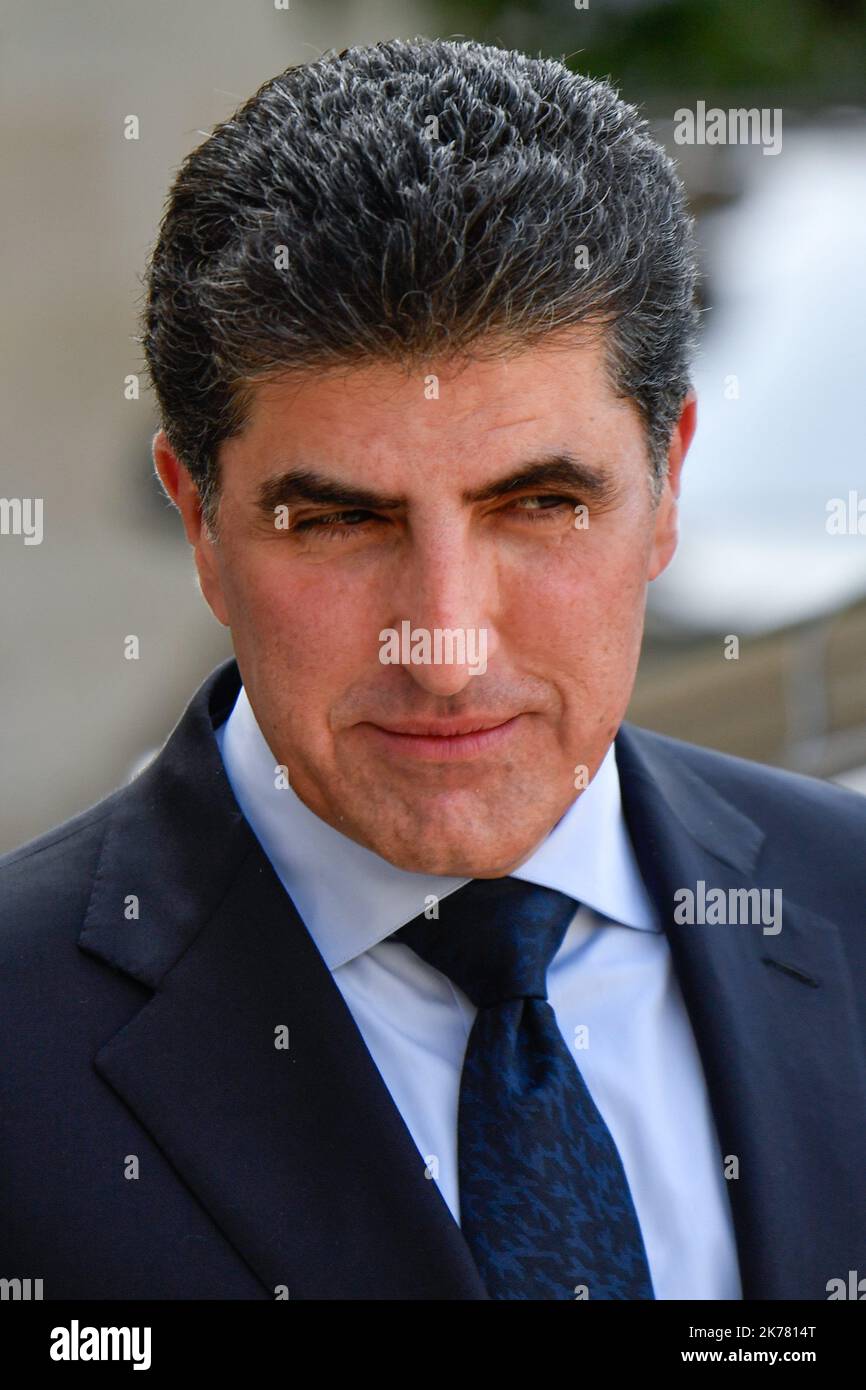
(495,938)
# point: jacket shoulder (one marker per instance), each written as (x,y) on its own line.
(769,795)
(46,883)
(76,827)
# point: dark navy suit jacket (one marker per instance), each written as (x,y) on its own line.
(151,1042)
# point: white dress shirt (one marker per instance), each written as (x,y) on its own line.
(611,985)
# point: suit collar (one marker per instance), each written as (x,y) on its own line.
(775,1022)
(150,852)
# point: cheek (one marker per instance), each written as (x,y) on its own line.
(584,605)
(314,618)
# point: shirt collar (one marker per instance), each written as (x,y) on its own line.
(350,898)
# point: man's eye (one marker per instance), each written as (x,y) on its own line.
(543,504)
(332,523)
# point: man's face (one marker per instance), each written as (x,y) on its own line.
(419,514)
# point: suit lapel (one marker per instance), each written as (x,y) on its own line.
(775,1024)
(299,1154)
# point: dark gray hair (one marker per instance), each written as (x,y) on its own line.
(412,199)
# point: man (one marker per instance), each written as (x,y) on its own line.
(407,970)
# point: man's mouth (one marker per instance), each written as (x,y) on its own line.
(444,740)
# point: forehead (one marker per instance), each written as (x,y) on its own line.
(444,420)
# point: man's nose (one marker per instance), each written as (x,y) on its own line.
(446,603)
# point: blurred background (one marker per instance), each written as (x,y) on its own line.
(780,377)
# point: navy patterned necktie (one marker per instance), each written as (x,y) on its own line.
(545,1205)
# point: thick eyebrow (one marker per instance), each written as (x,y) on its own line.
(562,470)
(304,485)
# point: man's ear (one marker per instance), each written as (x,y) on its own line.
(178,485)
(183,492)
(666,517)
